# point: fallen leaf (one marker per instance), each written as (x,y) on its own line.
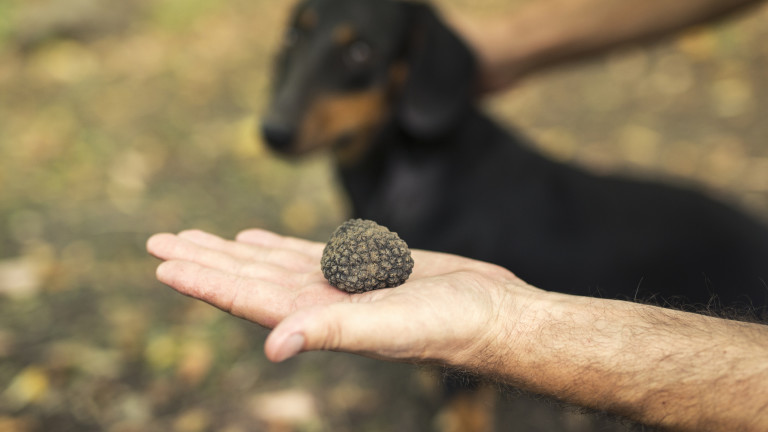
(284,407)
(196,359)
(21,277)
(194,420)
(27,387)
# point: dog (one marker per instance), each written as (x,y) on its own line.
(387,87)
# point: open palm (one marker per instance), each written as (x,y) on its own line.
(441,313)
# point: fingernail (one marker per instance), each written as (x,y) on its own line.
(292,346)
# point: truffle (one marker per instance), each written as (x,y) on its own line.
(363,256)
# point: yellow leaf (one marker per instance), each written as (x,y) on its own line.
(195,362)
(161,352)
(29,386)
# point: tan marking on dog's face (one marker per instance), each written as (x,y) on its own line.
(346,123)
(307,20)
(344,34)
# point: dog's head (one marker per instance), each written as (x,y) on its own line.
(347,67)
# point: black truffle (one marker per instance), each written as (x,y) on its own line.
(363,256)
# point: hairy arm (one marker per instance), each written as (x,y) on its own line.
(660,367)
(656,366)
(548,32)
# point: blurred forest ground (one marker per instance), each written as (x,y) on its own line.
(119,119)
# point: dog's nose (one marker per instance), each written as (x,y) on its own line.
(279,137)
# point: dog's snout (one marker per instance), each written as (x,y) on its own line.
(279,137)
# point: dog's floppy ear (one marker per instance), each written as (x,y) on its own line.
(441,74)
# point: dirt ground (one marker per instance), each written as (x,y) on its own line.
(120,119)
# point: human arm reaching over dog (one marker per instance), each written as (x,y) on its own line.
(659,367)
(548,32)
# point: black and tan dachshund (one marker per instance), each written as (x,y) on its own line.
(387,88)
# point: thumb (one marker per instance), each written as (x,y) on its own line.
(361,328)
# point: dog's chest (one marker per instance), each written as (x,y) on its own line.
(405,194)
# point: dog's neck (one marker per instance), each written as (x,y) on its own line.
(398,161)
(393,143)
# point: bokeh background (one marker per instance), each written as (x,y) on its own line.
(123,118)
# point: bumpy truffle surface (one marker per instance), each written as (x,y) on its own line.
(363,256)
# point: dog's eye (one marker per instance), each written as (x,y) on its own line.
(357,53)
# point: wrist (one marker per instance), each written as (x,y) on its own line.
(509,48)
(502,58)
(500,344)
(534,341)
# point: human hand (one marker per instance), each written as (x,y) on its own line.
(447,312)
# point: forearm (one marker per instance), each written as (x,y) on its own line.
(659,367)
(548,32)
